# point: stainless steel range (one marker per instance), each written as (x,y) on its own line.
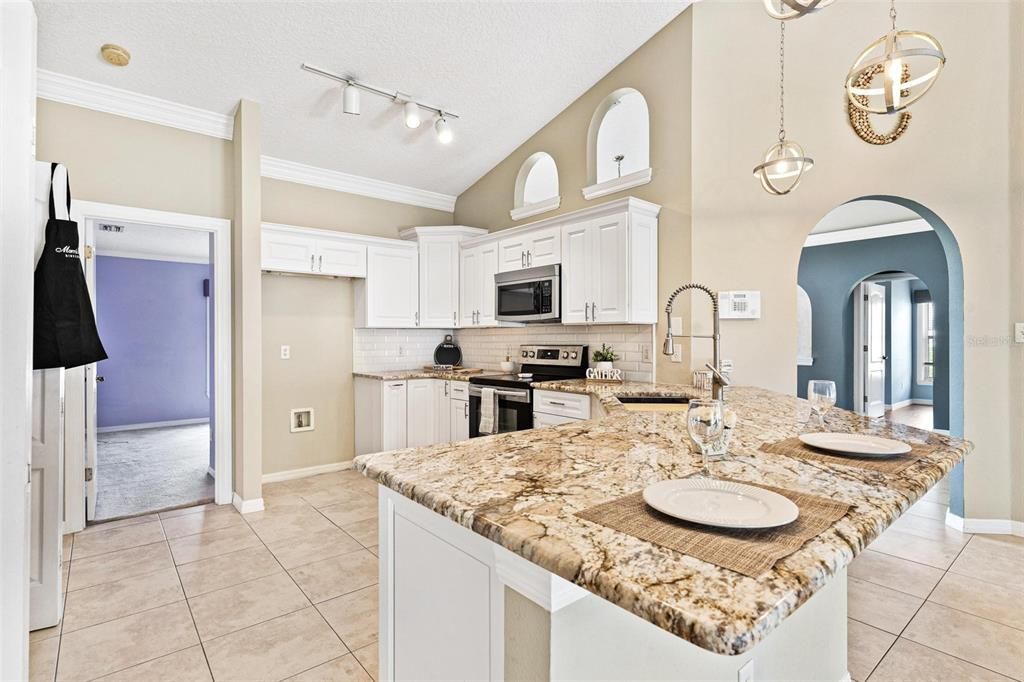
(513,393)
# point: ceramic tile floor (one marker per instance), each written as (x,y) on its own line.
(205,593)
(291,593)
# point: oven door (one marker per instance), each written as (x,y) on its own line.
(527,299)
(514,407)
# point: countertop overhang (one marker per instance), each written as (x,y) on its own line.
(522,490)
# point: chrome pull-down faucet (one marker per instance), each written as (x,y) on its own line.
(718,380)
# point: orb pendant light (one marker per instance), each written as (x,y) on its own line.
(784,163)
(794,9)
(895,52)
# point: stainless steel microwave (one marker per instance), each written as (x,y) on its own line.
(529,295)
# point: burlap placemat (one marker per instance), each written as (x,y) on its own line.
(750,552)
(794,447)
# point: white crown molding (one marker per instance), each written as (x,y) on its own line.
(870,232)
(458,231)
(291,171)
(536,208)
(635,179)
(59,87)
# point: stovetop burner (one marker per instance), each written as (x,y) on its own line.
(545,363)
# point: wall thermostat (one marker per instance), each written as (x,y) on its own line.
(739,305)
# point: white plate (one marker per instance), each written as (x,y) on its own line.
(856,444)
(714,502)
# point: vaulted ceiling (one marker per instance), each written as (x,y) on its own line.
(506,68)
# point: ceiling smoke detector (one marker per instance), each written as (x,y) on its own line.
(115,54)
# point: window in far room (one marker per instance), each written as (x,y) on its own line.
(925,343)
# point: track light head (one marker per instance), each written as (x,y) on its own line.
(350,99)
(443,130)
(412,115)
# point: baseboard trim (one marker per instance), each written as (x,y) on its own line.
(304,472)
(900,405)
(986,526)
(246,506)
(922,401)
(152,425)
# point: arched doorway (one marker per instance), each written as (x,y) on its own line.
(886,239)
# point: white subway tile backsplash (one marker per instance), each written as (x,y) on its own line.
(376,350)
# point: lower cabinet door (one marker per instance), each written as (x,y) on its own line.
(442,411)
(441,608)
(460,420)
(393,416)
(420,419)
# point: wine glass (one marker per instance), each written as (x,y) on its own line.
(822,396)
(705,424)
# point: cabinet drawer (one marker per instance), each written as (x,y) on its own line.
(562,404)
(540,420)
(460,390)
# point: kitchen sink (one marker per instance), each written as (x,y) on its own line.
(653,403)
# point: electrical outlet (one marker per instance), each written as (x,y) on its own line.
(1018,332)
(746,673)
(645,352)
(402,352)
(286,352)
(677,355)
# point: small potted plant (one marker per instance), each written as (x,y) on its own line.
(604,357)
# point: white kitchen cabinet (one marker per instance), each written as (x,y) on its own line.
(530,248)
(442,411)
(421,413)
(459,411)
(393,415)
(314,252)
(389,296)
(478,266)
(571,405)
(439,282)
(610,269)
(540,419)
(381,414)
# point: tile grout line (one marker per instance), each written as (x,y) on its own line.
(188,605)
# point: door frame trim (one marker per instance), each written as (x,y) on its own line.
(87,214)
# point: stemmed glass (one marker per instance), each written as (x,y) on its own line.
(706,425)
(822,396)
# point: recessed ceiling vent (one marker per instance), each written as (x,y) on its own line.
(110,227)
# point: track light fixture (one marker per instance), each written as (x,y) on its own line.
(443,130)
(411,109)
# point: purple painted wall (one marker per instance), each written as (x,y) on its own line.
(152,319)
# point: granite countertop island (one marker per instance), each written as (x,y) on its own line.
(522,490)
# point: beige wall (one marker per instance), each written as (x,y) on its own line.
(119,160)
(1016,25)
(660,70)
(953,159)
(314,315)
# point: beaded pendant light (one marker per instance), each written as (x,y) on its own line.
(894,57)
(784,163)
(794,9)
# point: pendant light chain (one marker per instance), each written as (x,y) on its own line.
(782,81)
(892,13)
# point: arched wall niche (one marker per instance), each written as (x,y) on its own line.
(620,127)
(536,189)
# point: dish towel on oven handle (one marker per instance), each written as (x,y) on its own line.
(488,411)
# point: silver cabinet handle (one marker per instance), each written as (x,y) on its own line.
(529,258)
(455,318)
(522,259)
(312,262)
(446,389)
(555,402)
(417,318)
(397,385)
(320,263)
(593,312)
(476,317)
(465,410)
(586,312)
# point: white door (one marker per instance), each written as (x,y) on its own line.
(459,420)
(439,282)
(392,284)
(512,253)
(576,249)
(544,247)
(488,268)
(421,420)
(340,258)
(469,289)
(442,411)
(47,494)
(609,271)
(393,416)
(869,325)
(287,252)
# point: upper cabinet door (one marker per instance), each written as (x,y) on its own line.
(287,252)
(544,247)
(576,249)
(470,292)
(609,271)
(390,292)
(488,268)
(439,282)
(340,258)
(512,253)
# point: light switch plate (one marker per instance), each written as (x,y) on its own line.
(746,673)
(286,352)
(677,326)
(1018,332)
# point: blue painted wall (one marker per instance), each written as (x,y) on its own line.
(830,273)
(152,319)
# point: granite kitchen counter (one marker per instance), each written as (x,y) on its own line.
(403,374)
(522,490)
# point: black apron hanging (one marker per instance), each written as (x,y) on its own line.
(64,333)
